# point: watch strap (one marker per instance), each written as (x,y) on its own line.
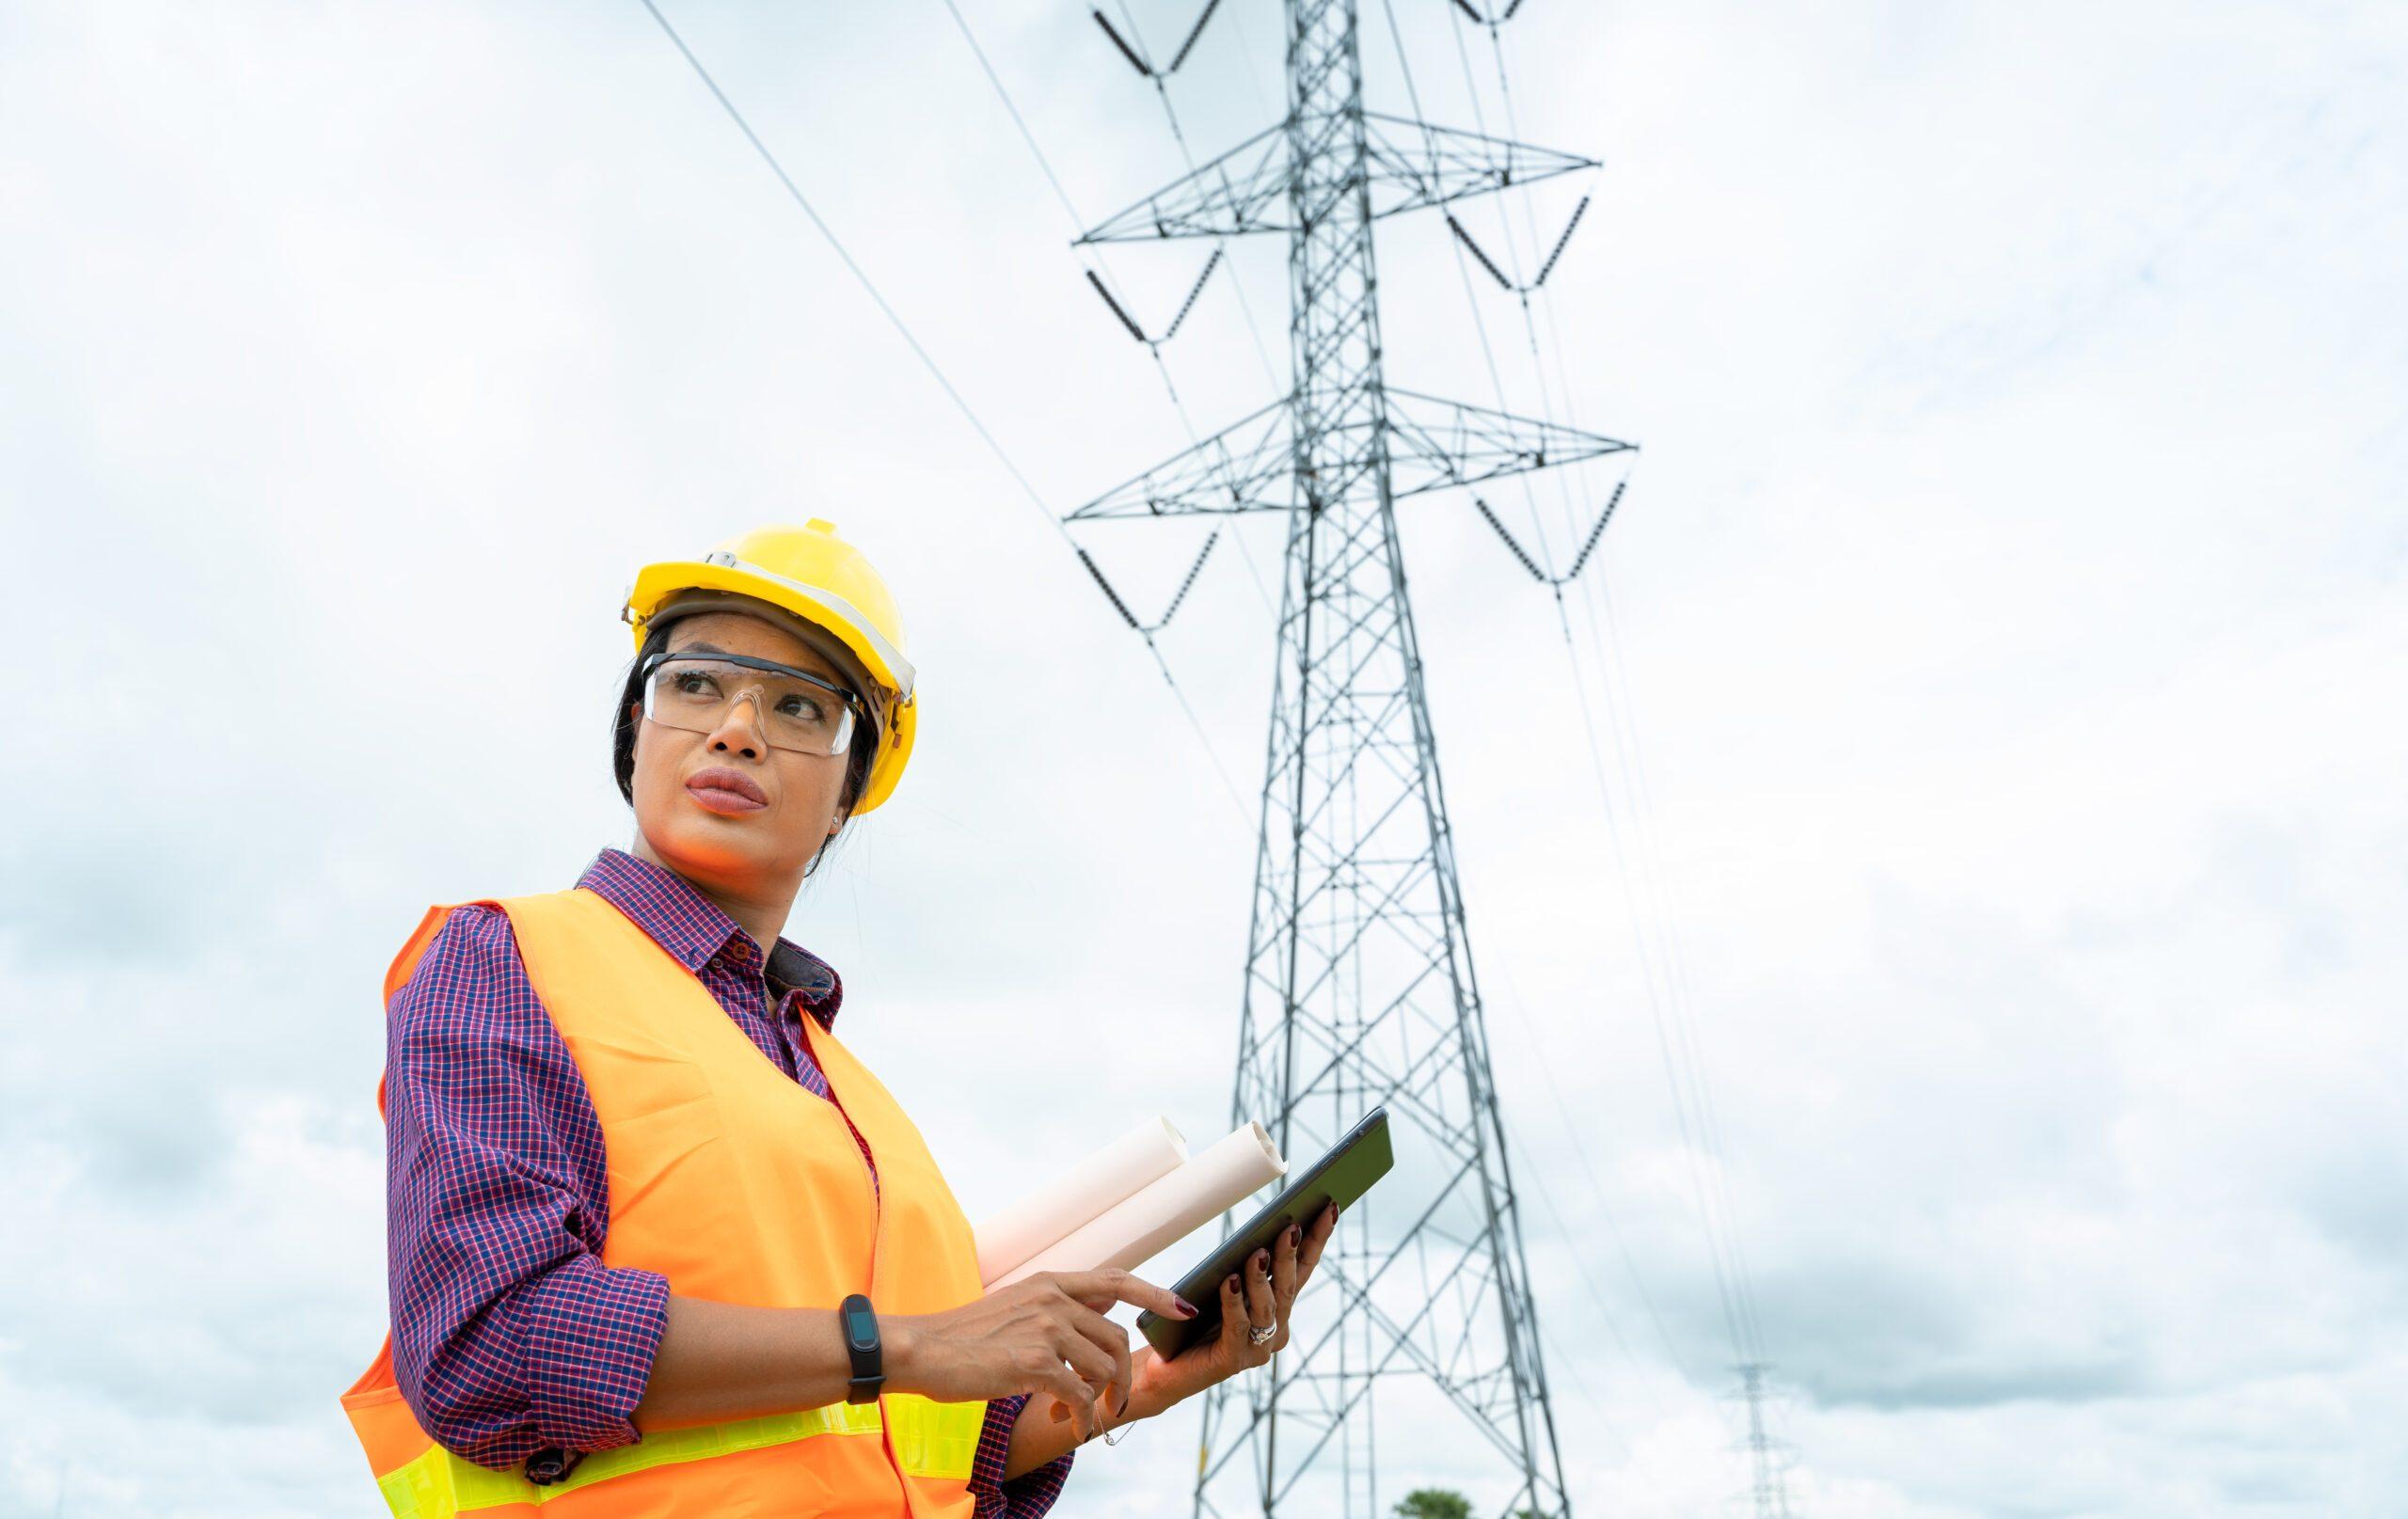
(858,1323)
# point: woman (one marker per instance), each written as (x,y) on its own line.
(634,1177)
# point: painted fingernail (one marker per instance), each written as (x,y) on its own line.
(1231,1285)
(1184,1307)
(1291,1236)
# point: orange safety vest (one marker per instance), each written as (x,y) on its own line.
(739,1185)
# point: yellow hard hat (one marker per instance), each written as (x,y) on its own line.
(819,577)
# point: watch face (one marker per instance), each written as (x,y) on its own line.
(860,1326)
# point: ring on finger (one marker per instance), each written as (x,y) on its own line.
(1262,1334)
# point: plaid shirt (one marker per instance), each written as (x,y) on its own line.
(510,1335)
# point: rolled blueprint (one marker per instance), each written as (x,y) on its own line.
(1110,1175)
(1166,1212)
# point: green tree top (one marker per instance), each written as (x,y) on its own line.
(1433,1503)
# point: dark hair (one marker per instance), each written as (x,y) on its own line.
(623,735)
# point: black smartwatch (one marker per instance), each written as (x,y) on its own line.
(860,1326)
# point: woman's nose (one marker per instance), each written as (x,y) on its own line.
(747,733)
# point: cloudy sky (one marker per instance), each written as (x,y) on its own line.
(1998,661)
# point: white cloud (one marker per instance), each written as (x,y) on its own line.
(2007,611)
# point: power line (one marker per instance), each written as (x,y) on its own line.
(860,274)
(1220,250)
(1693,1139)
(1622,719)
(1597,1189)
(1162,93)
(1098,269)
(1684,1066)
(1026,134)
(937,372)
(1693,1110)
(1621,716)
(1570,1364)
(1463,271)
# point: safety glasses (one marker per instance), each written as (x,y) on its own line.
(796,710)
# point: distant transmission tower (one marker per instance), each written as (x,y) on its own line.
(1770,1485)
(1359,987)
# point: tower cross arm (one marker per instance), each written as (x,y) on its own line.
(1407,166)
(1245,190)
(1247,466)
(1413,165)
(1433,443)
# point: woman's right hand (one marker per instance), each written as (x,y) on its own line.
(1044,1334)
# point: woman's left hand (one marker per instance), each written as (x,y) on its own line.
(1260,1294)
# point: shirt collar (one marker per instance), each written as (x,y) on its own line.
(694,929)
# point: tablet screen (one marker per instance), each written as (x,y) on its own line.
(1341,1175)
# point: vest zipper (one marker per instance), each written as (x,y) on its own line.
(861,1145)
(877,1233)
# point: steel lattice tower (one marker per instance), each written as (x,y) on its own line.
(1359,987)
(1768,1486)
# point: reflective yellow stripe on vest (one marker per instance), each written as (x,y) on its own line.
(932,1439)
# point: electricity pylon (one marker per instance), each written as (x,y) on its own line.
(1359,987)
(1768,1485)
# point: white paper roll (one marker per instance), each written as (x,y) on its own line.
(1141,1227)
(1111,1174)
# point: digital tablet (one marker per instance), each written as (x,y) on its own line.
(1341,1176)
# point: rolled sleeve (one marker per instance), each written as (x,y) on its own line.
(1026,1497)
(587,1338)
(510,1335)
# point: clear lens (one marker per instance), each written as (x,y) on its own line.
(696,693)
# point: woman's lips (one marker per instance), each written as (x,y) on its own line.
(722,801)
(730,792)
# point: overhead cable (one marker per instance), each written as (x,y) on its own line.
(903,330)
(1096,271)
